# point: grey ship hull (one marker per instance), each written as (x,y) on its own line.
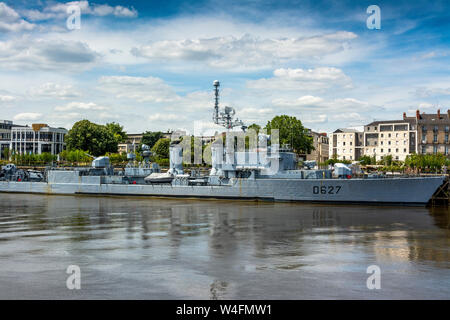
(409,191)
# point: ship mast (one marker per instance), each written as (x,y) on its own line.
(225,118)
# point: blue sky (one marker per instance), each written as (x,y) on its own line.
(149,65)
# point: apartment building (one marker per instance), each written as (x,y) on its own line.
(134,140)
(421,134)
(321,147)
(5,136)
(392,137)
(37,139)
(432,132)
(346,144)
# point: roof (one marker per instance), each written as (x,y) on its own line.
(346,130)
(374,123)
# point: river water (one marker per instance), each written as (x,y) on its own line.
(137,248)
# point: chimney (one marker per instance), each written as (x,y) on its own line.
(404,115)
(439,113)
(418,114)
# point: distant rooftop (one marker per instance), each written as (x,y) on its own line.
(346,130)
(374,123)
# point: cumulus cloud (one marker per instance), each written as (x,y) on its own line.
(300,79)
(317,103)
(4,98)
(248,52)
(10,20)
(59,10)
(141,89)
(165,117)
(54,90)
(26,53)
(27,116)
(80,106)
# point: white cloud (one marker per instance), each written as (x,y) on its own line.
(54,90)
(7,98)
(27,53)
(80,106)
(27,116)
(165,117)
(11,21)
(59,10)
(141,89)
(246,52)
(318,119)
(338,109)
(301,79)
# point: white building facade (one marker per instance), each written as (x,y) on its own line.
(37,139)
(396,138)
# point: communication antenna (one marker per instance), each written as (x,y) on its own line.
(225,117)
(216,85)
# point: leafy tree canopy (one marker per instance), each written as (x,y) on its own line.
(94,138)
(161,148)
(291,132)
(117,130)
(150,138)
(255,127)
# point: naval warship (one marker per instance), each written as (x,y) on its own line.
(268,172)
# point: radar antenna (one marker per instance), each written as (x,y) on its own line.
(225,117)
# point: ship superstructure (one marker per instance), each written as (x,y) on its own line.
(263,171)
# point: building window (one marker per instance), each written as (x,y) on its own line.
(381,142)
(404,150)
(381,150)
(389,150)
(343,143)
(446,128)
(351,143)
(389,143)
(446,138)
(382,135)
(389,135)
(435,129)
(435,138)
(434,149)
(424,149)
(396,150)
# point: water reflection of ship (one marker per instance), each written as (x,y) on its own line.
(394,233)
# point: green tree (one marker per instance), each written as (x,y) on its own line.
(161,148)
(117,130)
(291,132)
(94,138)
(387,160)
(6,153)
(150,138)
(255,127)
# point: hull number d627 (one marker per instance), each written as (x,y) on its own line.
(326,189)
